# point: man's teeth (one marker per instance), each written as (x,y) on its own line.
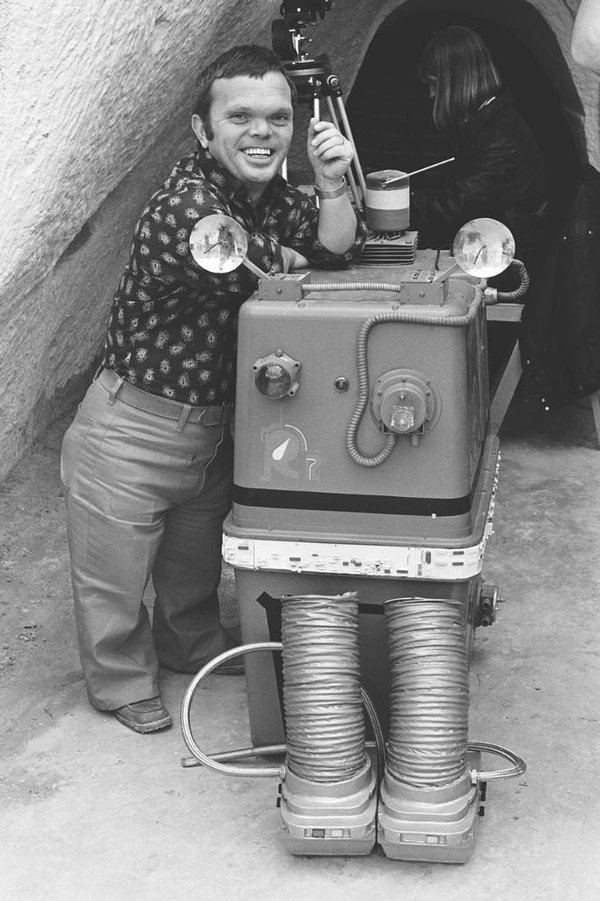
(258,151)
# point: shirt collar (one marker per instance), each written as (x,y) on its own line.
(226,183)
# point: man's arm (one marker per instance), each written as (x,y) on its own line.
(167,226)
(585,39)
(330,155)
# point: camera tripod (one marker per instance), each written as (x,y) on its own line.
(313,78)
(316,82)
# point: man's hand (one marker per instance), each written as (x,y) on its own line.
(292,259)
(330,154)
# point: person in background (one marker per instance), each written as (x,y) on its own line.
(147,462)
(585,39)
(498,171)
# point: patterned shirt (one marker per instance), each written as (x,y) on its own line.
(172,325)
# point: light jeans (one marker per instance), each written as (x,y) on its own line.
(145,497)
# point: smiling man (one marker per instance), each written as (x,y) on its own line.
(147,463)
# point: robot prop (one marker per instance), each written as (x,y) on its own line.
(364,483)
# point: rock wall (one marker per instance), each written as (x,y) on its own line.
(95,107)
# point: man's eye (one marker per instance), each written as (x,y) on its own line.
(239,117)
(281,118)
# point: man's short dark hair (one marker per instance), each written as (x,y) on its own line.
(252,60)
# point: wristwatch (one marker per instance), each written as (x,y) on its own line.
(331,195)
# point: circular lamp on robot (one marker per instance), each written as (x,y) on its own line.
(219,244)
(405,402)
(484,247)
(275,375)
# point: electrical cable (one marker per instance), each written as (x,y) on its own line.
(509,296)
(401,316)
(363,373)
(519,766)
(211,762)
(493,296)
(218,761)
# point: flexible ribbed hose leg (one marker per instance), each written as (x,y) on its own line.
(429,694)
(321,687)
(429,804)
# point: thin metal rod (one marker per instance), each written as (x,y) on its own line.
(390,181)
(356,163)
(250,265)
(351,179)
(447,272)
(317,116)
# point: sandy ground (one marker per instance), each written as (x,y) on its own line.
(90,811)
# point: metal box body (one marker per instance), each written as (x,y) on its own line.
(293,476)
(308,519)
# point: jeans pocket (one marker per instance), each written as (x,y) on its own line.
(144,479)
(72,443)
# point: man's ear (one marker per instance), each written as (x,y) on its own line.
(199,130)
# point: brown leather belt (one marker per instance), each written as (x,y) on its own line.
(117,387)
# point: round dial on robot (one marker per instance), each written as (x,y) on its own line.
(484,248)
(218,243)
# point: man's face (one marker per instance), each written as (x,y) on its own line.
(251,121)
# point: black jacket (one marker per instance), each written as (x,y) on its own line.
(498,173)
(560,336)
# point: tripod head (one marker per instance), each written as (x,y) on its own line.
(310,76)
(287,33)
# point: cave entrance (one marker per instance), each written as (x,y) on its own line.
(390,110)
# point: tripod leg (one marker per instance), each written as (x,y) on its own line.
(351,179)
(348,131)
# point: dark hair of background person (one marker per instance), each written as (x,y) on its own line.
(457,61)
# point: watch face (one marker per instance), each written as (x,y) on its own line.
(484,247)
(218,243)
